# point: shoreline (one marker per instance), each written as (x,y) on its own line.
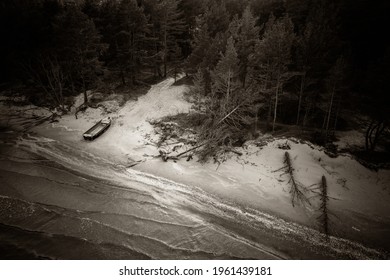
(250,180)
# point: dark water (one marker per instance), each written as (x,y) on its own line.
(58,202)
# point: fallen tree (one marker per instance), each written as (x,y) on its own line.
(296,188)
(324,218)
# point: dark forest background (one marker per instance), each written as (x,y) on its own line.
(253,64)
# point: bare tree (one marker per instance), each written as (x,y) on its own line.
(48,75)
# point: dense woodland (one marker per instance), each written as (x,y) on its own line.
(254,64)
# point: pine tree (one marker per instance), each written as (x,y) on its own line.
(335,83)
(200,44)
(228,109)
(303,62)
(91,8)
(225,76)
(172,26)
(176,60)
(107,23)
(206,51)
(78,46)
(273,55)
(247,37)
(318,48)
(153,41)
(217,18)
(130,37)
(198,90)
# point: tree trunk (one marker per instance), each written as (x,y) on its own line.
(276,103)
(330,109)
(227,92)
(165,53)
(61,96)
(123,77)
(337,114)
(132,78)
(85,92)
(307,112)
(85,97)
(300,97)
(72,85)
(155,57)
(324,122)
(269,113)
(256,116)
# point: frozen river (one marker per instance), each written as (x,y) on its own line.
(59,202)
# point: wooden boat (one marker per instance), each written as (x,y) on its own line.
(98,129)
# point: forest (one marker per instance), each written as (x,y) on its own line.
(300,68)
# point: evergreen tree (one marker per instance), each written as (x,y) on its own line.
(78,47)
(153,43)
(216,18)
(92,9)
(107,23)
(247,37)
(303,63)
(335,83)
(318,48)
(198,91)
(191,10)
(172,27)
(225,75)
(206,51)
(130,39)
(201,43)
(272,58)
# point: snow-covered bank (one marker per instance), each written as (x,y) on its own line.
(127,140)
(359,198)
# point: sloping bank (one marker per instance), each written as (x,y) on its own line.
(358,198)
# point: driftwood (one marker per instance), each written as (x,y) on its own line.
(165,156)
(236,152)
(189,150)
